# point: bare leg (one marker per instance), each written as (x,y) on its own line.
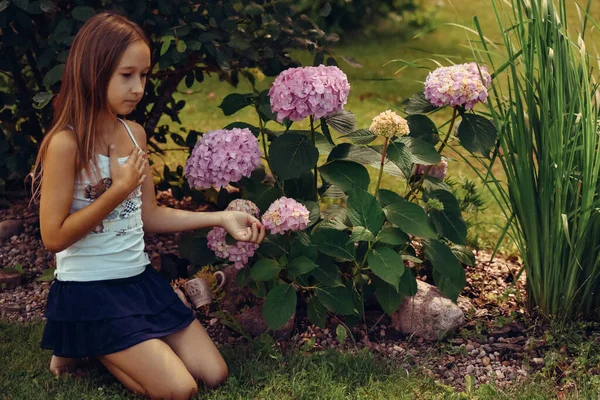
(152,369)
(199,354)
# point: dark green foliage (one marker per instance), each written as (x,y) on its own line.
(345,16)
(188,42)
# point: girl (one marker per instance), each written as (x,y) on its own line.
(96,201)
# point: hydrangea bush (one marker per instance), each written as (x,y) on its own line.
(221,157)
(334,238)
(309,91)
(239,252)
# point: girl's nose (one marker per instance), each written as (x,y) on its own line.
(138,87)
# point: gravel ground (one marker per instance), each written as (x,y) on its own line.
(485,348)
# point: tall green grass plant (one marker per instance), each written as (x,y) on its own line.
(544,101)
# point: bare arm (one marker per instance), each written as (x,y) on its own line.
(59,228)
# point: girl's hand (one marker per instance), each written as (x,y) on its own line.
(131,174)
(243,226)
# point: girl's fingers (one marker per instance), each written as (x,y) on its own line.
(254,233)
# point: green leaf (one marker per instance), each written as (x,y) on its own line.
(314,209)
(477,134)
(464,255)
(387,197)
(255,131)
(22,4)
(42,99)
(181,47)
(265,270)
(431,183)
(339,152)
(234,102)
(421,152)
(301,265)
(413,259)
(62,30)
(386,264)
(361,136)
(47,275)
(344,122)
(54,75)
(327,272)
(448,222)
(166,43)
(418,104)
(262,195)
(279,306)
(392,236)
(264,106)
(421,127)
(346,175)
(325,11)
(194,247)
(360,234)
(388,296)
(411,218)
(326,131)
(316,312)
(337,299)
(254,9)
(334,243)
(364,210)
(449,275)
(408,284)
(292,155)
(83,13)
(340,331)
(400,154)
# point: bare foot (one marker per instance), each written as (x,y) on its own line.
(63,365)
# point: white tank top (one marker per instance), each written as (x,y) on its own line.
(115,248)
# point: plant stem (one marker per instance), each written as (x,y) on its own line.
(261,127)
(418,185)
(312,131)
(385,145)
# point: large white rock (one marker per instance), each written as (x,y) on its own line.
(428,314)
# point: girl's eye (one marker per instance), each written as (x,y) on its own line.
(144,75)
(126,75)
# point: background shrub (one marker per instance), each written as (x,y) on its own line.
(189,41)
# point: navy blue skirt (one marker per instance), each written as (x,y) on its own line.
(89,319)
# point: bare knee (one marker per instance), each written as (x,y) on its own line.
(217,376)
(176,391)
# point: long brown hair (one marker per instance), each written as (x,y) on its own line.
(93,57)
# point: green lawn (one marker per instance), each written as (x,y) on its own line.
(258,370)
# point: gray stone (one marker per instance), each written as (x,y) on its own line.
(10,228)
(428,314)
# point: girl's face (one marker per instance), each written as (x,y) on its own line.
(126,85)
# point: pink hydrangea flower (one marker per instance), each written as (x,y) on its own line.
(221,157)
(458,85)
(437,171)
(318,91)
(284,215)
(240,252)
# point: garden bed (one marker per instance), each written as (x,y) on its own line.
(493,345)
